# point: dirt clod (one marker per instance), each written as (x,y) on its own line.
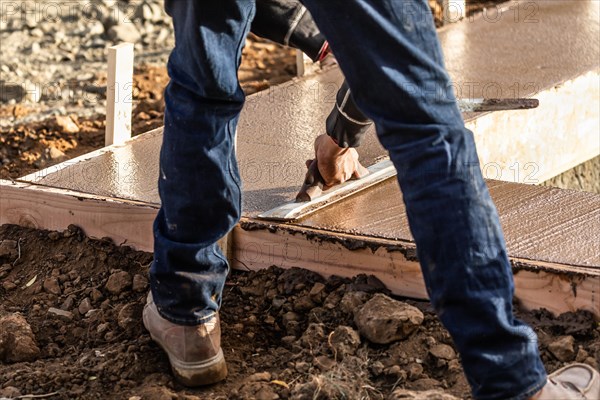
(52,286)
(118,282)
(8,249)
(17,342)
(68,315)
(563,348)
(65,124)
(443,352)
(344,341)
(140,283)
(85,306)
(384,320)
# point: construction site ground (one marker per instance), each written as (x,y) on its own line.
(70,306)
(277,329)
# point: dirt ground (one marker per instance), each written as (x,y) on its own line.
(70,327)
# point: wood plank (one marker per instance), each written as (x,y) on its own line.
(558,288)
(126,222)
(256,244)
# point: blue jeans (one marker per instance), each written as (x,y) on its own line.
(390,55)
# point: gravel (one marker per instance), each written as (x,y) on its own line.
(58,50)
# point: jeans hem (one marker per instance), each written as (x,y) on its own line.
(531,390)
(186,322)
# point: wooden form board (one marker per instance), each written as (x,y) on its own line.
(555,287)
(126,222)
(256,244)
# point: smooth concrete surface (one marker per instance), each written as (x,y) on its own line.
(540,223)
(522,47)
(275,136)
(548,45)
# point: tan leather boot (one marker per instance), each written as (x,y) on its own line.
(576,381)
(194,351)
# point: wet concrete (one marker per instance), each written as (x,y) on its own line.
(520,48)
(275,136)
(539,223)
(494,56)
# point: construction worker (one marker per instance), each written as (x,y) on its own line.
(392,60)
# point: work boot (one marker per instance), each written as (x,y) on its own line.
(577,381)
(194,351)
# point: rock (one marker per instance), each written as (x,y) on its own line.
(5,270)
(397,372)
(314,336)
(55,154)
(9,249)
(124,33)
(37,33)
(85,76)
(130,316)
(65,124)
(61,313)
(344,341)
(84,306)
(54,235)
(563,348)
(383,320)
(103,327)
(10,392)
(96,295)
(94,28)
(118,282)
(52,286)
(317,293)
(17,342)
(259,377)
(377,368)
(414,371)
(148,11)
(403,394)
(352,301)
(140,283)
(302,367)
(290,317)
(68,303)
(8,286)
(443,352)
(582,355)
(35,48)
(303,304)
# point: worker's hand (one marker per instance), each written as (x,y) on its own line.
(337,164)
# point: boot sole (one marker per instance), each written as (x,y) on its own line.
(202,373)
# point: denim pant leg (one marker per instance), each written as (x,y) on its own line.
(199,183)
(392,60)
